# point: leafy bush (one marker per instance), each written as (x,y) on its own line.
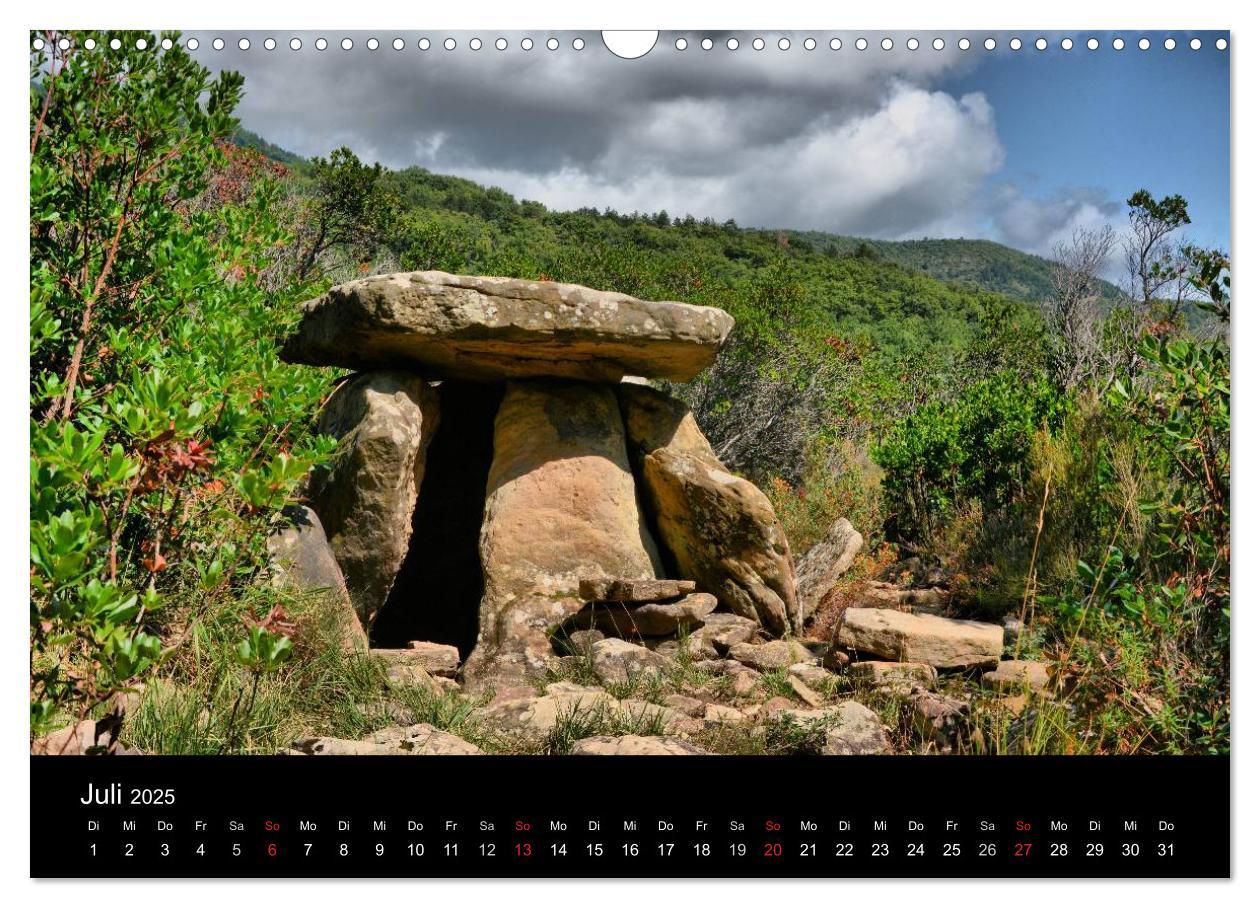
(164,432)
(973,448)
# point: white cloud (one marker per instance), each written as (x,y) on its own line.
(916,158)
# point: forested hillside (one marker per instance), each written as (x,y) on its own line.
(975,263)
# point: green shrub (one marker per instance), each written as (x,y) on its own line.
(974,447)
(164,432)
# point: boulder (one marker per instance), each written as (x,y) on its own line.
(491,328)
(618,661)
(1015,675)
(688,706)
(302,560)
(717,714)
(577,641)
(905,637)
(435,658)
(813,675)
(85,737)
(641,714)
(694,648)
(634,746)
(534,717)
(718,528)
(821,568)
(415,741)
(383,422)
(653,619)
(722,630)
(848,728)
(768,657)
(626,589)
(560,506)
(804,691)
(939,719)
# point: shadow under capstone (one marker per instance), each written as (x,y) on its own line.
(437,594)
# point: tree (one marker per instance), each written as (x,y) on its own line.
(1074,312)
(349,210)
(1147,251)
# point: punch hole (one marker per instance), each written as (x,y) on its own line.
(631,45)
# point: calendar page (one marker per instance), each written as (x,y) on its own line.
(630,454)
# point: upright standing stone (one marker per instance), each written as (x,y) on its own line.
(302,559)
(560,506)
(383,421)
(720,529)
(820,569)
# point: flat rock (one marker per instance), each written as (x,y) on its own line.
(84,737)
(634,746)
(491,328)
(618,661)
(412,741)
(536,716)
(849,728)
(813,675)
(435,658)
(1014,675)
(717,714)
(894,673)
(652,619)
(722,630)
(820,569)
(905,637)
(689,706)
(804,691)
(629,589)
(671,721)
(767,657)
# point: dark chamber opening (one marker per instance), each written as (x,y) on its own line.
(437,594)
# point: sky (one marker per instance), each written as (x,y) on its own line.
(1018,146)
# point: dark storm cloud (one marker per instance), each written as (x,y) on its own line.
(851,141)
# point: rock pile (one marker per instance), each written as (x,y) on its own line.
(553,472)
